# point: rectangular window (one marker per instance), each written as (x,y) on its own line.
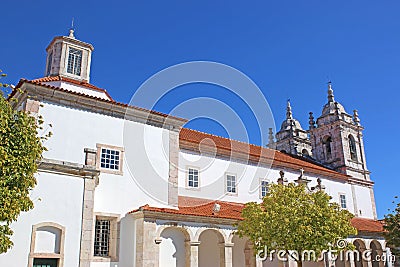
(230,183)
(193,178)
(102,238)
(110,159)
(343,203)
(41,262)
(74,61)
(264,188)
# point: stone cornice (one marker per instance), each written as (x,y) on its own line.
(154,215)
(55,95)
(68,168)
(356,181)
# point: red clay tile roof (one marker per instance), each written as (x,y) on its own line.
(230,210)
(191,139)
(69,80)
(200,207)
(367,225)
(36,82)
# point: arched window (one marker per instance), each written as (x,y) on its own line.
(352,146)
(328,147)
(305,153)
(47,245)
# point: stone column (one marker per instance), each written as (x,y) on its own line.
(173,168)
(147,249)
(192,253)
(86,246)
(225,255)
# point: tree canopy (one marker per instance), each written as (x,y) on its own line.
(20,150)
(392,226)
(290,218)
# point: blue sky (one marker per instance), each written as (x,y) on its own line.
(290,49)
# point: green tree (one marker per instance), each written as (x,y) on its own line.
(392,227)
(20,150)
(292,219)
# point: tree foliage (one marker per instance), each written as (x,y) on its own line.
(20,150)
(392,226)
(291,218)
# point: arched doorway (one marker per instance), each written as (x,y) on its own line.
(173,247)
(359,261)
(376,254)
(211,254)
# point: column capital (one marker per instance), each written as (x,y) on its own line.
(227,245)
(194,243)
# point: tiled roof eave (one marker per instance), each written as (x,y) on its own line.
(96,104)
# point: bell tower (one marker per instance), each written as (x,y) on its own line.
(291,138)
(337,139)
(68,57)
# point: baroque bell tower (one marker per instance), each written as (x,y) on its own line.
(337,139)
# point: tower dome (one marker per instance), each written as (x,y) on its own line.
(290,122)
(332,105)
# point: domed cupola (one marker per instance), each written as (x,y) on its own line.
(291,138)
(290,123)
(332,106)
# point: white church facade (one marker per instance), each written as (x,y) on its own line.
(98,203)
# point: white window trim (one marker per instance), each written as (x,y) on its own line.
(226,184)
(187,178)
(121,159)
(114,236)
(66,55)
(340,200)
(260,186)
(33,254)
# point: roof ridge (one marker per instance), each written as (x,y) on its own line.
(226,138)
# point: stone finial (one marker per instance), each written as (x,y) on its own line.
(282,179)
(289,114)
(330,92)
(356,119)
(311,121)
(319,185)
(301,179)
(270,137)
(71,33)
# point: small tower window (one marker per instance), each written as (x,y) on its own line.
(328,147)
(305,153)
(49,61)
(353,149)
(74,61)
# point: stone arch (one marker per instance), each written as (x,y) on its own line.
(174,246)
(352,147)
(327,143)
(213,249)
(376,253)
(359,261)
(221,235)
(47,238)
(186,232)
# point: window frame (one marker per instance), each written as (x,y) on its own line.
(114,237)
(353,148)
(188,168)
(121,150)
(261,187)
(345,201)
(74,73)
(226,184)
